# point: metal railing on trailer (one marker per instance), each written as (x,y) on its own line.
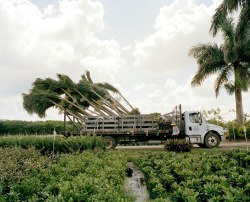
(76,125)
(124,123)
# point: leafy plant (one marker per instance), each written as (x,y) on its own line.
(178,145)
(89,176)
(195,177)
(60,144)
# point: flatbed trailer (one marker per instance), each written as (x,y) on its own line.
(125,129)
(128,128)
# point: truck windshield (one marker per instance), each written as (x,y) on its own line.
(195,117)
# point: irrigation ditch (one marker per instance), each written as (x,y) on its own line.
(135,183)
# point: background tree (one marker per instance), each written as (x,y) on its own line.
(229,61)
(214,116)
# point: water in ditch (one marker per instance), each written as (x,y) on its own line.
(135,184)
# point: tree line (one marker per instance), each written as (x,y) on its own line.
(15,127)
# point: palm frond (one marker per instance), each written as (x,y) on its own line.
(108,86)
(210,60)
(65,81)
(243,25)
(230,88)
(227,29)
(221,13)
(222,78)
(38,101)
(218,19)
(88,77)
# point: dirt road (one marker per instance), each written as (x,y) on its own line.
(223,145)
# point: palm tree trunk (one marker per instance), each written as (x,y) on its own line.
(239,107)
(238,97)
(132,108)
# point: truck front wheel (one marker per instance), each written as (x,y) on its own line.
(110,142)
(212,140)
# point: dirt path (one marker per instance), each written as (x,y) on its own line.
(223,145)
(135,184)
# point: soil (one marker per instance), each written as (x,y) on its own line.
(135,184)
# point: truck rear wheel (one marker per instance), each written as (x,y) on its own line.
(212,140)
(110,142)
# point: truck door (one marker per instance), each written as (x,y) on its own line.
(194,124)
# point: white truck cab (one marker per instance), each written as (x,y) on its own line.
(200,132)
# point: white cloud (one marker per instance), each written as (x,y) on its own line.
(162,98)
(178,27)
(58,40)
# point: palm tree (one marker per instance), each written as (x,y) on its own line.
(76,99)
(228,7)
(229,61)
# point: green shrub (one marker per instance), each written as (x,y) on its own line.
(195,177)
(13,127)
(88,176)
(47,143)
(178,145)
(238,132)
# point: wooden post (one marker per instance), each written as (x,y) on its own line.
(64,118)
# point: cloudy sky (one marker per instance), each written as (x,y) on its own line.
(139,46)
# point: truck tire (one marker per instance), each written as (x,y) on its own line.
(212,140)
(110,142)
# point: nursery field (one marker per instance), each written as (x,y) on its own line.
(84,171)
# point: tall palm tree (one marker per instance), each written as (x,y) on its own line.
(228,7)
(229,61)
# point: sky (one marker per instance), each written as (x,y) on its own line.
(139,46)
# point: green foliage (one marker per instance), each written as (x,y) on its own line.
(98,175)
(89,176)
(214,116)
(29,127)
(238,132)
(242,157)
(75,99)
(60,144)
(178,145)
(195,177)
(15,162)
(135,111)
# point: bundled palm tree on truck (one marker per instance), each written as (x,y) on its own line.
(100,109)
(76,100)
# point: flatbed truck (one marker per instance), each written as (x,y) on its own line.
(152,127)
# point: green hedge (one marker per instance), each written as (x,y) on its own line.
(13,127)
(238,131)
(45,143)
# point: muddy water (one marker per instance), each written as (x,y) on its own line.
(135,184)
